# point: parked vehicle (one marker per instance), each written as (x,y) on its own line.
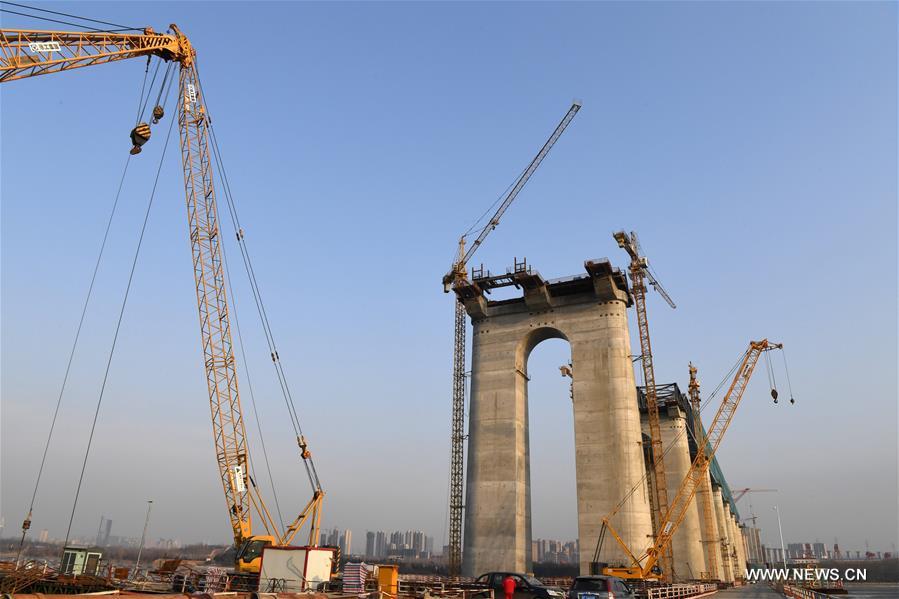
(599,587)
(526,587)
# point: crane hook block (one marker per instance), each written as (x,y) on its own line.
(304,448)
(774,394)
(139,136)
(158,113)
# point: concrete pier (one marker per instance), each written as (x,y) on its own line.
(590,312)
(713,542)
(686,544)
(737,539)
(725,564)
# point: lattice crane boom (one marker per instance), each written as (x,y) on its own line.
(643,565)
(28,53)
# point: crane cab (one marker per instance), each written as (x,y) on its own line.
(249,554)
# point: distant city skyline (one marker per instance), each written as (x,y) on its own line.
(410,544)
(416,544)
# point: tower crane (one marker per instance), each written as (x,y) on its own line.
(643,566)
(739,493)
(640,273)
(27,53)
(457,276)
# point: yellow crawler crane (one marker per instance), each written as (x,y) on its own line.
(645,565)
(28,53)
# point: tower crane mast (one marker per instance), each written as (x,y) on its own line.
(640,274)
(458,275)
(28,53)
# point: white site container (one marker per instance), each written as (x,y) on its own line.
(294,569)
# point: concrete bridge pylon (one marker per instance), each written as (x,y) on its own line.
(590,312)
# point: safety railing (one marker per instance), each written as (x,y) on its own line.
(679,591)
(443,588)
(796,592)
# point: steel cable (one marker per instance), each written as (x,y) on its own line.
(246,369)
(54,12)
(260,305)
(87,299)
(65,377)
(116,333)
(93,30)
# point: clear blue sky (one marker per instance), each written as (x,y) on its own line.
(752,146)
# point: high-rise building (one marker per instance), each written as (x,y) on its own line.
(382,544)
(819,551)
(370,544)
(753,544)
(43,536)
(555,551)
(346,542)
(331,538)
(409,544)
(105,541)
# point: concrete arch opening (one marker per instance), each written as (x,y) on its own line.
(590,313)
(553,482)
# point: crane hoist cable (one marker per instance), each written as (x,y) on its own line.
(26,524)
(246,372)
(115,337)
(787,373)
(704,405)
(143,108)
(91,29)
(699,468)
(143,87)
(90,290)
(65,14)
(240,235)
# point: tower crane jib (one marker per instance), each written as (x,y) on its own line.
(457,275)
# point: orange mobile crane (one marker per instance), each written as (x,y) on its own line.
(645,565)
(28,53)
